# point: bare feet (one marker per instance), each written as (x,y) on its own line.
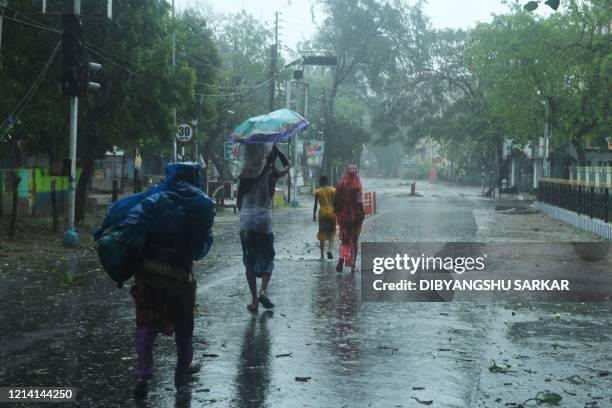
(340,265)
(141,388)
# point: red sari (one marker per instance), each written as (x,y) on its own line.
(348,205)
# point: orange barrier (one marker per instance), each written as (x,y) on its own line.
(369,203)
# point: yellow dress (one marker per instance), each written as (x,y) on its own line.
(327,218)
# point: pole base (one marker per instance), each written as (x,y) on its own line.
(71,238)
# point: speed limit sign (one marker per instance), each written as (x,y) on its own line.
(184,133)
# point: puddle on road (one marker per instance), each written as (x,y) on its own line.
(78,330)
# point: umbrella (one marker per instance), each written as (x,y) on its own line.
(269,128)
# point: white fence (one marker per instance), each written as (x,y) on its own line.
(583,222)
(598,175)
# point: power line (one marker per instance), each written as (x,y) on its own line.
(40,27)
(37,22)
(200,62)
(12,117)
(253,89)
(129,71)
(103,50)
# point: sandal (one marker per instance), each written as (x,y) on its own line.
(251,309)
(263,299)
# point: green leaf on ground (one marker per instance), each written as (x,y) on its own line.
(546,397)
(494,368)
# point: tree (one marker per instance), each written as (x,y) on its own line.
(243,43)
(363,36)
(526,63)
(139,86)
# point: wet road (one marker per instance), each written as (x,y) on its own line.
(66,324)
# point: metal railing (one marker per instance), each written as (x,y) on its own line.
(588,199)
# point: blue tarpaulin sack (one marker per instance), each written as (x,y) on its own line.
(175,214)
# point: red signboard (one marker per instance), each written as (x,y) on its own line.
(368,204)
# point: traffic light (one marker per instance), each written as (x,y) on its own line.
(73,57)
(77,70)
(88,84)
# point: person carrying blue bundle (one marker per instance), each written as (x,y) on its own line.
(155,236)
(255,193)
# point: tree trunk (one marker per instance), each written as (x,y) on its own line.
(54,205)
(15,185)
(2,195)
(580,153)
(81,190)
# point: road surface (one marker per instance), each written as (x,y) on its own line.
(66,324)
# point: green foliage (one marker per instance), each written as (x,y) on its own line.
(139,86)
(471,90)
(523,62)
(243,45)
(365,37)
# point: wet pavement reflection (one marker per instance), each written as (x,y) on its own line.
(66,324)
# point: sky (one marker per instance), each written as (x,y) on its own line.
(296,23)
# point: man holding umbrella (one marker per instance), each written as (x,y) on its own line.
(257,173)
(255,194)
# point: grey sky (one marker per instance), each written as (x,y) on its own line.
(296,23)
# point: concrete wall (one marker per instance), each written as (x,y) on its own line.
(34,190)
(583,222)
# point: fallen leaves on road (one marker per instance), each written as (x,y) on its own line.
(494,368)
(424,402)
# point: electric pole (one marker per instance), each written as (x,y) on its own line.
(288,106)
(273,63)
(173,68)
(3,4)
(75,82)
(71,238)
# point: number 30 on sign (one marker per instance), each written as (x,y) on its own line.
(184,133)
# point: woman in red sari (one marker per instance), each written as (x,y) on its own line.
(348,205)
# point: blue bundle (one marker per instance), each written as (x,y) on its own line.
(174,215)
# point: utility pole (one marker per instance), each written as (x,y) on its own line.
(288,106)
(76,77)
(3,4)
(71,238)
(546,138)
(302,108)
(324,132)
(273,63)
(173,68)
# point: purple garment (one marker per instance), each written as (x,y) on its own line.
(146,333)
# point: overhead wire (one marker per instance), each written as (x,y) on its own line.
(248,91)
(104,50)
(32,24)
(14,115)
(110,60)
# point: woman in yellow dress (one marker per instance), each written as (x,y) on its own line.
(324,195)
